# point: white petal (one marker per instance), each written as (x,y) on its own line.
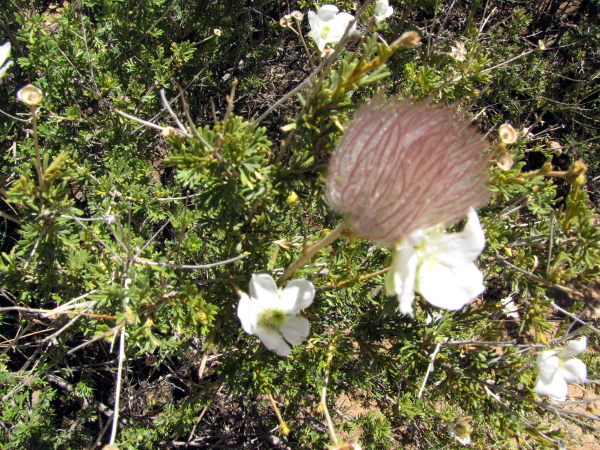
(247,314)
(548,364)
(327,12)
(381,6)
(4,52)
(573,371)
(573,348)
(447,287)
(297,295)
(264,289)
(460,249)
(273,341)
(400,279)
(464,440)
(312,20)
(295,330)
(4,68)
(555,388)
(339,25)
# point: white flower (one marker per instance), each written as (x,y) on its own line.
(382,11)
(327,25)
(509,308)
(557,367)
(272,314)
(4,54)
(459,52)
(439,266)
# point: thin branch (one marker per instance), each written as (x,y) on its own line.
(97,338)
(429,368)
(185,266)
(308,253)
(574,317)
(149,241)
(115,425)
(167,106)
(52,312)
(536,278)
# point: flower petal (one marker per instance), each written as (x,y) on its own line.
(548,364)
(573,348)
(400,279)
(460,249)
(264,289)
(556,388)
(4,68)
(247,314)
(4,52)
(295,330)
(273,341)
(573,371)
(339,25)
(297,295)
(447,287)
(312,21)
(327,12)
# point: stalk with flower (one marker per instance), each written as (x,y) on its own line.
(400,172)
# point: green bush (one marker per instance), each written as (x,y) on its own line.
(126,246)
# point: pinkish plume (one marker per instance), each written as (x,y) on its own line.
(404,167)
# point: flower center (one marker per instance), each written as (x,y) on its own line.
(325,31)
(271,318)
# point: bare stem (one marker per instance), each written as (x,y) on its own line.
(36,144)
(332,434)
(113,434)
(313,250)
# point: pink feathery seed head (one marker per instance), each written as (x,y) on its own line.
(402,167)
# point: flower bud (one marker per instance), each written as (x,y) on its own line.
(297,15)
(217,32)
(30,95)
(576,173)
(284,22)
(168,131)
(554,145)
(508,134)
(401,168)
(408,39)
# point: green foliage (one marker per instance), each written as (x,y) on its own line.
(110,227)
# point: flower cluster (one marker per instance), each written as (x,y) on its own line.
(272,314)
(558,367)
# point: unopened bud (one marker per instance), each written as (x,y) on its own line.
(541,45)
(168,131)
(217,32)
(508,134)
(297,15)
(554,145)
(30,95)
(284,22)
(576,173)
(292,199)
(409,39)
